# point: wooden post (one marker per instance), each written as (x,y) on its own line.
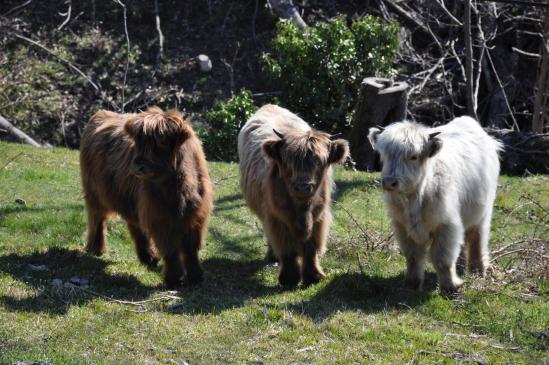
(380,103)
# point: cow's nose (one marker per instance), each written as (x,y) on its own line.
(304,187)
(389,183)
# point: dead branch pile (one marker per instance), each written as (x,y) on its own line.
(507,42)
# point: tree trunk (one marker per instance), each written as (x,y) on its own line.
(380,103)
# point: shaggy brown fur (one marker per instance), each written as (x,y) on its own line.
(150,169)
(286,180)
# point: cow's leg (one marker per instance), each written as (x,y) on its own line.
(283,246)
(173,269)
(478,257)
(95,237)
(461,263)
(270,257)
(191,244)
(445,250)
(311,271)
(289,271)
(145,251)
(415,258)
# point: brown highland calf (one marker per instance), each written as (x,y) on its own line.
(150,169)
(286,179)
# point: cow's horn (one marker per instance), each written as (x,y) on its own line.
(380,128)
(433,135)
(280,135)
(335,136)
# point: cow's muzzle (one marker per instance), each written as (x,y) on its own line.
(389,183)
(304,188)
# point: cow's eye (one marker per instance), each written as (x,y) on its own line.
(413,157)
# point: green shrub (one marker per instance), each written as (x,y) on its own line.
(223,122)
(319,70)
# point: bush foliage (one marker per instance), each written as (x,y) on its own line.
(319,70)
(223,122)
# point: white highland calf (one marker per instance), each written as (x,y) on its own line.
(440,185)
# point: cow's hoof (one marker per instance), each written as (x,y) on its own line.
(289,278)
(173,284)
(149,260)
(451,289)
(270,257)
(313,278)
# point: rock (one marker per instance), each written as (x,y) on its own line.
(56,282)
(205,63)
(38,267)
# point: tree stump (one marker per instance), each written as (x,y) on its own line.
(380,102)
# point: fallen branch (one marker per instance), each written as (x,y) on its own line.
(17,133)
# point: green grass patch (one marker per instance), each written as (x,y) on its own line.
(360,314)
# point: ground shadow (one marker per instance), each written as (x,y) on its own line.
(355,291)
(63,264)
(228,284)
(228,202)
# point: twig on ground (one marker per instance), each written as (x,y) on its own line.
(11,160)
(520,250)
(218,181)
(128,302)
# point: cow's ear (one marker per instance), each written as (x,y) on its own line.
(272,149)
(433,145)
(372,136)
(339,150)
(134,127)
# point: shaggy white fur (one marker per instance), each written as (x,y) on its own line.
(440,185)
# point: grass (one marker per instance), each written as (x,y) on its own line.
(360,314)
